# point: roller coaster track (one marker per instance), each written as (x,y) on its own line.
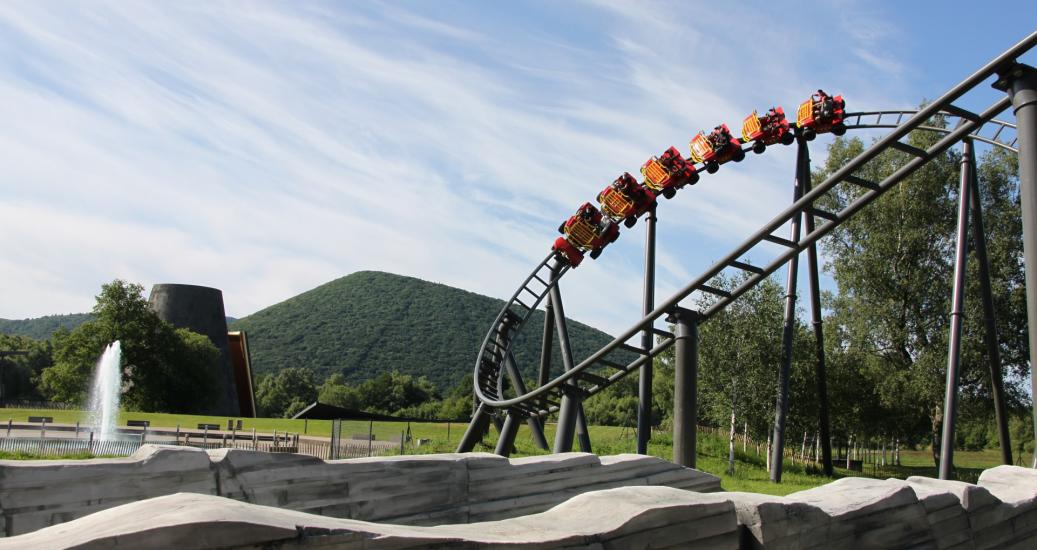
(497,383)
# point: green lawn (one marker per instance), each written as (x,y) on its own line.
(749,475)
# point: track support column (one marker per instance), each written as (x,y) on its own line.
(820,371)
(535,427)
(644,387)
(476,428)
(950,397)
(506,441)
(568,409)
(782,405)
(685,386)
(989,318)
(1020,82)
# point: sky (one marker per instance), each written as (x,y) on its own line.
(265,148)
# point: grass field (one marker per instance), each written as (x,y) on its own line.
(750,473)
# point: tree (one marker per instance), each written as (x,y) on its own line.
(19,374)
(285,393)
(391,392)
(335,391)
(893,263)
(739,356)
(164,369)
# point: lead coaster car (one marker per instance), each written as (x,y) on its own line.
(585,231)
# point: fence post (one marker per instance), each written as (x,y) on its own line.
(274,442)
(77,429)
(43,431)
(178,434)
(205,436)
(370,435)
(255,442)
(90,445)
(9,422)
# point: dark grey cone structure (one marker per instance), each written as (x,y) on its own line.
(200,309)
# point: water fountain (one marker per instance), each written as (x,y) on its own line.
(104,394)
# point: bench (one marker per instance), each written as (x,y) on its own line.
(41,419)
(208,426)
(138,423)
(362,437)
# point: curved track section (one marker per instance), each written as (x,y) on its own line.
(997,132)
(497,384)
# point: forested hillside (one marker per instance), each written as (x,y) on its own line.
(370,323)
(42,328)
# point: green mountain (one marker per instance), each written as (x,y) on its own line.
(42,328)
(371,322)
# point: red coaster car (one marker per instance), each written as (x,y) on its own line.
(716,148)
(587,230)
(625,199)
(821,113)
(668,173)
(766,130)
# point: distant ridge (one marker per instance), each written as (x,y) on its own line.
(42,328)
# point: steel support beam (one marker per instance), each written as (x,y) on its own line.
(520,388)
(781,408)
(583,435)
(644,387)
(1020,82)
(544,375)
(476,428)
(506,441)
(568,409)
(990,337)
(950,397)
(820,373)
(547,347)
(685,386)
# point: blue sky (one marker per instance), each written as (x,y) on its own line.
(265,148)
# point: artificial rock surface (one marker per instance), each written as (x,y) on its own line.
(628,517)
(411,490)
(244,499)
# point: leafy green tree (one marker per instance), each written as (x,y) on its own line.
(164,369)
(457,405)
(285,393)
(19,374)
(335,391)
(390,392)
